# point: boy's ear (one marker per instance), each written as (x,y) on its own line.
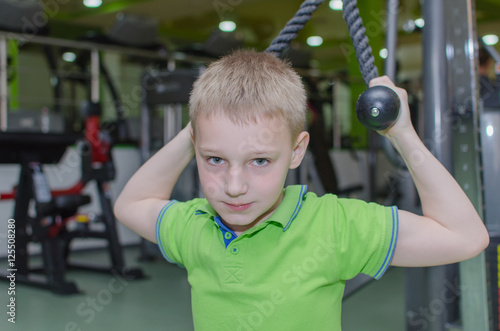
(300,149)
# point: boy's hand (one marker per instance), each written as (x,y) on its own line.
(450,230)
(403,123)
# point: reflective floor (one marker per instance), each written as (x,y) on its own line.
(161,302)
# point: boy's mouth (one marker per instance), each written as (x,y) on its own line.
(238,207)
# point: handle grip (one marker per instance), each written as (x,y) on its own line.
(377,108)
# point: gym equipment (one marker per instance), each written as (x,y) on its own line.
(378,107)
(447,77)
(375,114)
(52,221)
(489,90)
(166,90)
(30,150)
(493,259)
(135,31)
(451,132)
(490,140)
(55,208)
(27,17)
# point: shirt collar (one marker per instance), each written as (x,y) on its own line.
(286,211)
(290,206)
(207,209)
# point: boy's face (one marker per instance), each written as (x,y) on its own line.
(242,168)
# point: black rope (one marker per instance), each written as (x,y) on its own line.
(360,41)
(293,27)
(354,22)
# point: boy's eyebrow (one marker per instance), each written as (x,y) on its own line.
(262,152)
(209,150)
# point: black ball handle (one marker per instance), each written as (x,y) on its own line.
(377,108)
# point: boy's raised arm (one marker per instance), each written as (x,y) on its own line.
(450,229)
(149,189)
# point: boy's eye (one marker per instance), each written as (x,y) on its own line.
(215,160)
(260,162)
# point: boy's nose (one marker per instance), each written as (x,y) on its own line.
(236,183)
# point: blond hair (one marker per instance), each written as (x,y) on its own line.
(248,85)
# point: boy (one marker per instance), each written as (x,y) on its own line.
(261,257)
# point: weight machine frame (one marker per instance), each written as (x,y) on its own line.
(31,151)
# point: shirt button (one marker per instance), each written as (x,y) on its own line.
(235,250)
(228,235)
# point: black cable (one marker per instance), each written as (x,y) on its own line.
(359,41)
(293,27)
(357,32)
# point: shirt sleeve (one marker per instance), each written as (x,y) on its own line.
(172,227)
(366,234)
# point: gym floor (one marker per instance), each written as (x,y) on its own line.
(162,301)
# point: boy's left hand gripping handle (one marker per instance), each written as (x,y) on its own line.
(377,108)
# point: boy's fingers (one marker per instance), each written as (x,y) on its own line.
(382,80)
(386,81)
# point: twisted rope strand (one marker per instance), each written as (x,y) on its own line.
(362,48)
(357,32)
(293,27)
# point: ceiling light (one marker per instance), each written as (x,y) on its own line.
(490,39)
(419,22)
(227,26)
(383,53)
(336,4)
(92,3)
(314,41)
(69,57)
(490,130)
(409,26)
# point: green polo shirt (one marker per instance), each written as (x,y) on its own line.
(287,273)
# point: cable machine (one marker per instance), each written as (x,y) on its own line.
(451,130)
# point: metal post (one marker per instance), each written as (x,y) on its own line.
(450,133)
(390,71)
(337,128)
(463,78)
(429,284)
(94,69)
(437,128)
(169,113)
(168,123)
(391,38)
(3,83)
(145,127)
(178,118)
